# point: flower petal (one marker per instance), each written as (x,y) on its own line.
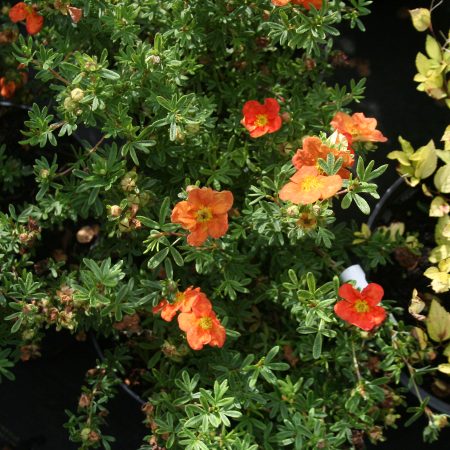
(182,213)
(372,293)
(218,226)
(291,191)
(223,201)
(19,12)
(331,185)
(187,321)
(198,236)
(349,293)
(34,23)
(199,198)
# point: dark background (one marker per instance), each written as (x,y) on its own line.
(32,408)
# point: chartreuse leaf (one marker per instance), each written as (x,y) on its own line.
(433,48)
(442,179)
(438,322)
(426,160)
(421,18)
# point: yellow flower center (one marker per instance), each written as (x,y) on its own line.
(204,215)
(311,182)
(205,323)
(261,120)
(361,306)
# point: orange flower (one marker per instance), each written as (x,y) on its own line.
(359,127)
(184,301)
(204,214)
(313,148)
(261,119)
(305,3)
(202,326)
(360,308)
(21,11)
(7,88)
(308,185)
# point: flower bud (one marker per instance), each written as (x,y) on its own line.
(128,182)
(285,117)
(440,421)
(27,335)
(77,94)
(115,210)
(85,434)
(124,225)
(154,59)
(292,211)
(69,104)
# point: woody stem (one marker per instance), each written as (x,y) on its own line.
(54,73)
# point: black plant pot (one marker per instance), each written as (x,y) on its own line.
(124,387)
(375,218)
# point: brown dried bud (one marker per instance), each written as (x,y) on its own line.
(85,401)
(58,255)
(130,323)
(41,266)
(81,336)
(285,117)
(376,434)
(87,233)
(262,41)
(406,258)
(148,409)
(310,64)
(8,36)
(136,224)
(53,314)
(24,237)
(240,65)
(266,15)
(358,439)
(339,59)
(28,352)
(33,225)
(65,294)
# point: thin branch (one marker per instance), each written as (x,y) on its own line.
(358,373)
(97,145)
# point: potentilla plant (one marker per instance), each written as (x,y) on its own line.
(198,232)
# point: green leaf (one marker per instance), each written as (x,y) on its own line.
(317,346)
(109,74)
(164,210)
(346,201)
(157,259)
(176,256)
(362,204)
